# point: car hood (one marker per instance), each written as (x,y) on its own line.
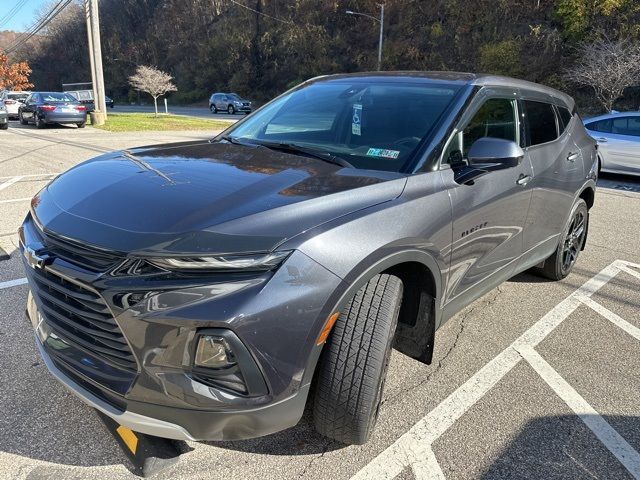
(204,197)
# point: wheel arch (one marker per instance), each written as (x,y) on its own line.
(419,315)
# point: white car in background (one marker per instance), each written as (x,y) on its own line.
(618,137)
(12,101)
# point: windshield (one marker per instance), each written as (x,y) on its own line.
(233,96)
(17,96)
(371,125)
(57,97)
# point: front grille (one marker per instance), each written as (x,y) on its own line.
(81,318)
(89,258)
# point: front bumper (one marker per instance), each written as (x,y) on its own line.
(277,316)
(191,425)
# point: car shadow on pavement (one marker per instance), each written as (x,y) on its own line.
(301,439)
(562,447)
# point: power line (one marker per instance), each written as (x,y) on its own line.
(39,25)
(12,13)
(288,22)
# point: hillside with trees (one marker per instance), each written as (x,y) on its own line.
(259,48)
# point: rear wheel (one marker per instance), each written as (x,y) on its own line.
(4,126)
(353,365)
(81,124)
(38,121)
(560,264)
(213,108)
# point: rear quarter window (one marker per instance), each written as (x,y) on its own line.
(603,126)
(541,120)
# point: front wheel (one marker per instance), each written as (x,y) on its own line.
(560,264)
(38,122)
(22,119)
(4,126)
(231,110)
(353,365)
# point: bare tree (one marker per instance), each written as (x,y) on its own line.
(152,81)
(608,67)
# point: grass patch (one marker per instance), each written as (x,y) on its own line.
(140,122)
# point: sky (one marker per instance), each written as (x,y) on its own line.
(24,18)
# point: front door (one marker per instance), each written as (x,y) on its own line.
(488,215)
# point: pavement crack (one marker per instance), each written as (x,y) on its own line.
(463,317)
(314,459)
(579,464)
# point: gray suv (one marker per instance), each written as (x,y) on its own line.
(231,103)
(211,290)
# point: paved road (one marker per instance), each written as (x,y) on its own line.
(201,112)
(534,380)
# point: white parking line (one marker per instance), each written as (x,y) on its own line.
(612,317)
(10,182)
(16,200)
(418,440)
(13,283)
(33,175)
(611,439)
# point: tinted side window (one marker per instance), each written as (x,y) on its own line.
(496,118)
(542,122)
(626,126)
(603,126)
(565,116)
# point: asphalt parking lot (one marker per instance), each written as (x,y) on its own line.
(534,380)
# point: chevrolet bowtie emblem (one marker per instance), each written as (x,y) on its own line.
(37,259)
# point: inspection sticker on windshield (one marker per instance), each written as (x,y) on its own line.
(356,120)
(382,152)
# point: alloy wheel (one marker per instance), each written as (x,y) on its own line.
(573,240)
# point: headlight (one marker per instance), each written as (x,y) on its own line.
(253,262)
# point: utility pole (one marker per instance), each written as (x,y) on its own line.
(90,43)
(99,115)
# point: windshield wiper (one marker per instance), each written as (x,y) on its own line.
(310,152)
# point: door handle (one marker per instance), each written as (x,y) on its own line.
(523,179)
(573,156)
(602,140)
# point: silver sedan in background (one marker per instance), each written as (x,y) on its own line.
(618,137)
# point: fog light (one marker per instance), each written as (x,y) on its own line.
(214,352)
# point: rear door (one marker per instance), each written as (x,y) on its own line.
(488,215)
(619,143)
(558,173)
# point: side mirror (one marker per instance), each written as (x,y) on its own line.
(496,153)
(489,154)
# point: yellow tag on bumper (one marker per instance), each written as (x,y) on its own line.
(128,437)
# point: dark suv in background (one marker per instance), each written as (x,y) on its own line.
(197,290)
(229,102)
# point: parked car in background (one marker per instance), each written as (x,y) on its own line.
(199,290)
(230,103)
(618,137)
(42,108)
(109,101)
(12,101)
(4,117)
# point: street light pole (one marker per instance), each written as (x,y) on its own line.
(99,115)
(381,22)
(380,39)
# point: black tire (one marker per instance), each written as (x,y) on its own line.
(22,120)
(4,126)
(231,110)
(213,108)
(560,264)
(353,366)
(37,121)
(82,124)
